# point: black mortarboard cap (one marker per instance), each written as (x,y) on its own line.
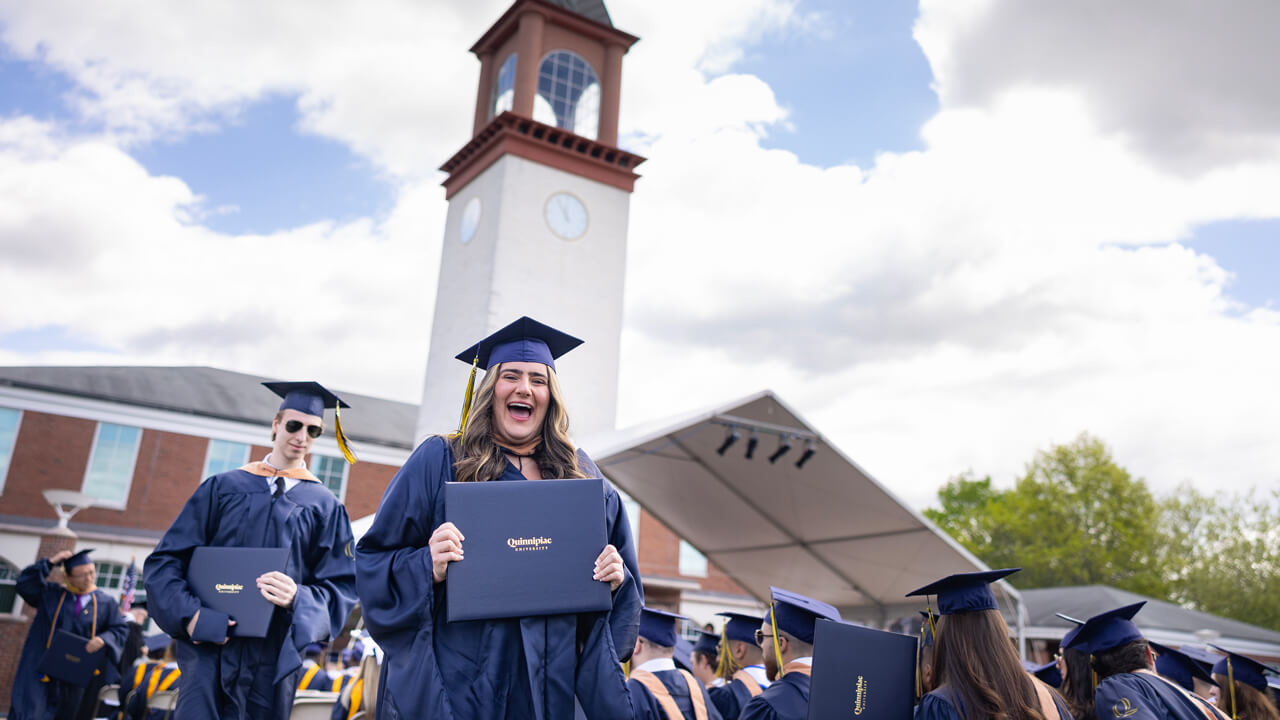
(741,627)
(80,558)
(965,592)
(1243,668)
(312,398)
(797,615)
(1108,630)
(659,626)
(525,340)
(707,642)
(1180,667)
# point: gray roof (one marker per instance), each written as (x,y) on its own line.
(211,392)
(590,9)
(1084,601)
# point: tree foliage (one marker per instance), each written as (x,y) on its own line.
(1075,517)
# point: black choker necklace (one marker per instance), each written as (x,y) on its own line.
(513,453)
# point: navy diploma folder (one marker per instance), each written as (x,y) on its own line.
(68,661)
(530,548)
(225,579)
(857,671)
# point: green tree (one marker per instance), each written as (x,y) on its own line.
(1074,518)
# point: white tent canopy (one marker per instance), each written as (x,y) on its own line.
(827,529)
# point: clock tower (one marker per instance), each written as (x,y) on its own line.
(538,205)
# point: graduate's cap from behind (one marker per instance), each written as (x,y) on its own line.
(740,627)
(78,559)
(525,340)
(707,642)
(1048,673)
(1070,635)
(928,627)
(312,398)
(797,615)
(1243,668)
(1206,658)
(965,592)
(659,626)
(1108,630)
(682,654)
(1180,667)
(156,643)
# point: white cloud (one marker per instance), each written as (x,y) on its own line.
(1013,283)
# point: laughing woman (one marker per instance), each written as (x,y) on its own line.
(531,667)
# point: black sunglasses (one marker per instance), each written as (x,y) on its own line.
(293,426)
(760,636)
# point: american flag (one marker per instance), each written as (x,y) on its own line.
(129,585)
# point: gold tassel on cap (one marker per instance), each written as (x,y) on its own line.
(466,400)
(343,445)
(777,651)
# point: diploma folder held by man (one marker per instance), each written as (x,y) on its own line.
(226,580)
(68,661)
(863,672)
(530,548)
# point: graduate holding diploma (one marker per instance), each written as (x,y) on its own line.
(528,668)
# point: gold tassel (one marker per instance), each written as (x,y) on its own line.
(466,400)
(726,659)
(1231,682)
(343,445)
(777,651)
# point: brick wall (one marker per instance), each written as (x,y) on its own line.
(660,555)
(51,451)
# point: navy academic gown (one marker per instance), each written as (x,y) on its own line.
(254,677)
(648,708)
(1144,696)
(527,668)
(730,698)
(33,699)
(787,698)
(938,705)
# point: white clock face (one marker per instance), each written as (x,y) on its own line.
(470,220)
(566,216)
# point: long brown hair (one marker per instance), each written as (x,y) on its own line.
(477,458)
(972,654)
(1077,684)
(1250,702)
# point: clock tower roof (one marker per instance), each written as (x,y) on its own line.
(590,9)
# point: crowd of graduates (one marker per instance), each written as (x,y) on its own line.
(626,662)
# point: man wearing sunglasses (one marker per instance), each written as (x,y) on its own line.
(275,502)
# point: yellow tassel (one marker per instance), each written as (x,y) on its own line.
(726,659)
(1231,682)
(343,445)
(777,651)
(466,400)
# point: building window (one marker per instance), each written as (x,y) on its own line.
(332,471)
(692,562)
(115,449)
(504,90)
(9,421)
(223,456)
(110,575)
(569,93)
(633,516)
(8,586)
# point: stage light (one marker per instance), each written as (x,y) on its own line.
(810,449)
(752,442)
(729,440)
(784,445)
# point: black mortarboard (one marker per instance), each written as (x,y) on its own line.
(312,398)
(1108,630)
(1206,658)
(1243,668)
(525,340)
(659,626)
(796,614)
(1180,667)
(80,558)
(741,627)
(707,642)
(1070,634)
(965,592)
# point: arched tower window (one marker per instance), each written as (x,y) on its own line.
(504,89)
(8,586)
(568,94)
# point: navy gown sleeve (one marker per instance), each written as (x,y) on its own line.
(170,600)
(114,630)
(1128,696)
(326,590)
(31,582)
(624,619)
(933,707)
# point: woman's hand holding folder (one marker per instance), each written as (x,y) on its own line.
(609,568)
(446,547)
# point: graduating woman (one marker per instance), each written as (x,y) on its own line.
(976,673)
(541,668)
(1243,685)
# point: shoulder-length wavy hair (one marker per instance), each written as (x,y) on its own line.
(1250,702)
(1077,684)
(477,458)
(973,655)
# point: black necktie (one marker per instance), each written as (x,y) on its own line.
(279,488)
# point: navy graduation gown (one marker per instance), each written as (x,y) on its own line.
(255,676)
(730,698)
(938,705)
(1144,696)
(33,699)
(787,698)
(648,708)
(530,668)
